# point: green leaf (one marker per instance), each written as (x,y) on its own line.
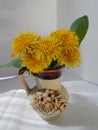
(14,63)
(80,27)
(54,64)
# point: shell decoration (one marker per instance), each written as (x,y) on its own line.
(48,102)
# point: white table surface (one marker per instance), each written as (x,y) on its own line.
(81,114)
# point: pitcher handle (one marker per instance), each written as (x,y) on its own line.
(22,79)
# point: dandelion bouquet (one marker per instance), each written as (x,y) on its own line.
(61,47)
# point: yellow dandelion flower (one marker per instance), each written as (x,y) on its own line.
(33,65)
(47,49)
(22,42)
(71,59)
(70,53)
(66,36)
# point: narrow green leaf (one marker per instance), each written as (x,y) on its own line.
(80,27)
(14,63)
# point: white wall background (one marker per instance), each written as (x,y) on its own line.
(68,10)
(44,16)
(23,15)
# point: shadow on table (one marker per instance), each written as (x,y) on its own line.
(82,112)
